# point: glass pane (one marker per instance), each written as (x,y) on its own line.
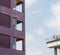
(17,7)
(4,20)
(19,26)
(19,45)
(14,43)
(4,41)
(14,23)
(5,3)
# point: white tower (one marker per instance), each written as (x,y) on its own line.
(54,43)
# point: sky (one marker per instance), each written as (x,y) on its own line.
(42,22)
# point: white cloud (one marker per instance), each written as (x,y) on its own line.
(39,31)
(30,2)
(29,38)
(33,51)
(31,45)
(56,10)
(37,12)
(54,22)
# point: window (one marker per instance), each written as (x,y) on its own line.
(4,41)
(17,5)
(5,19)
(17,24)
(5,3)
(17,44)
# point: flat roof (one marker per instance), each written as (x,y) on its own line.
(54,40)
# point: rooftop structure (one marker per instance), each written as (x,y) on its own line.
(54,43)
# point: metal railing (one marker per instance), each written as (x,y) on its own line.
(55,37)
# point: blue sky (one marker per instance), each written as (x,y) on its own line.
(42,21)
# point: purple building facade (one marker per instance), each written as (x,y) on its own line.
(12,27)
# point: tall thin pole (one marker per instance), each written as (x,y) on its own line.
(59,51)
(55,51)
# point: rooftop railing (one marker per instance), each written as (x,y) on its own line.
(54,38)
